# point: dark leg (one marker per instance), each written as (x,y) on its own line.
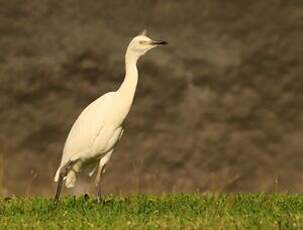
(101,170)
(98,183)
(63,172)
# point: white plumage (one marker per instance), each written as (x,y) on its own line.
(99,126)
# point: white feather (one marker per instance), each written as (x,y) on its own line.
(99,126)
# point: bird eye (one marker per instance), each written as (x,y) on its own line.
(141,42)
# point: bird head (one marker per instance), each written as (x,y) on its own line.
(142,43)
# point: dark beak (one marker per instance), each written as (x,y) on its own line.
(158,43)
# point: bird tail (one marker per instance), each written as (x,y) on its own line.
(56,178)
(70,179)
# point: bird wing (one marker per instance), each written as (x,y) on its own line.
(85,129)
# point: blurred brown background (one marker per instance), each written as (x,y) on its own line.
(219,109)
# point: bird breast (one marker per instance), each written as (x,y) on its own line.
(97,128)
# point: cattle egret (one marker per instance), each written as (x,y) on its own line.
(99,127)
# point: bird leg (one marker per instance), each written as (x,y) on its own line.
(101,171)
(63,172)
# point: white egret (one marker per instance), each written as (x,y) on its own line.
(98,128)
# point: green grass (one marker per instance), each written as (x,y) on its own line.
(241,211)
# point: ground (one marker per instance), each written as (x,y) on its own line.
(183,211)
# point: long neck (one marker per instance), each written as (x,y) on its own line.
(128,87)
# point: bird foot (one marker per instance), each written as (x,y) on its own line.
(100,200)
(86,196)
